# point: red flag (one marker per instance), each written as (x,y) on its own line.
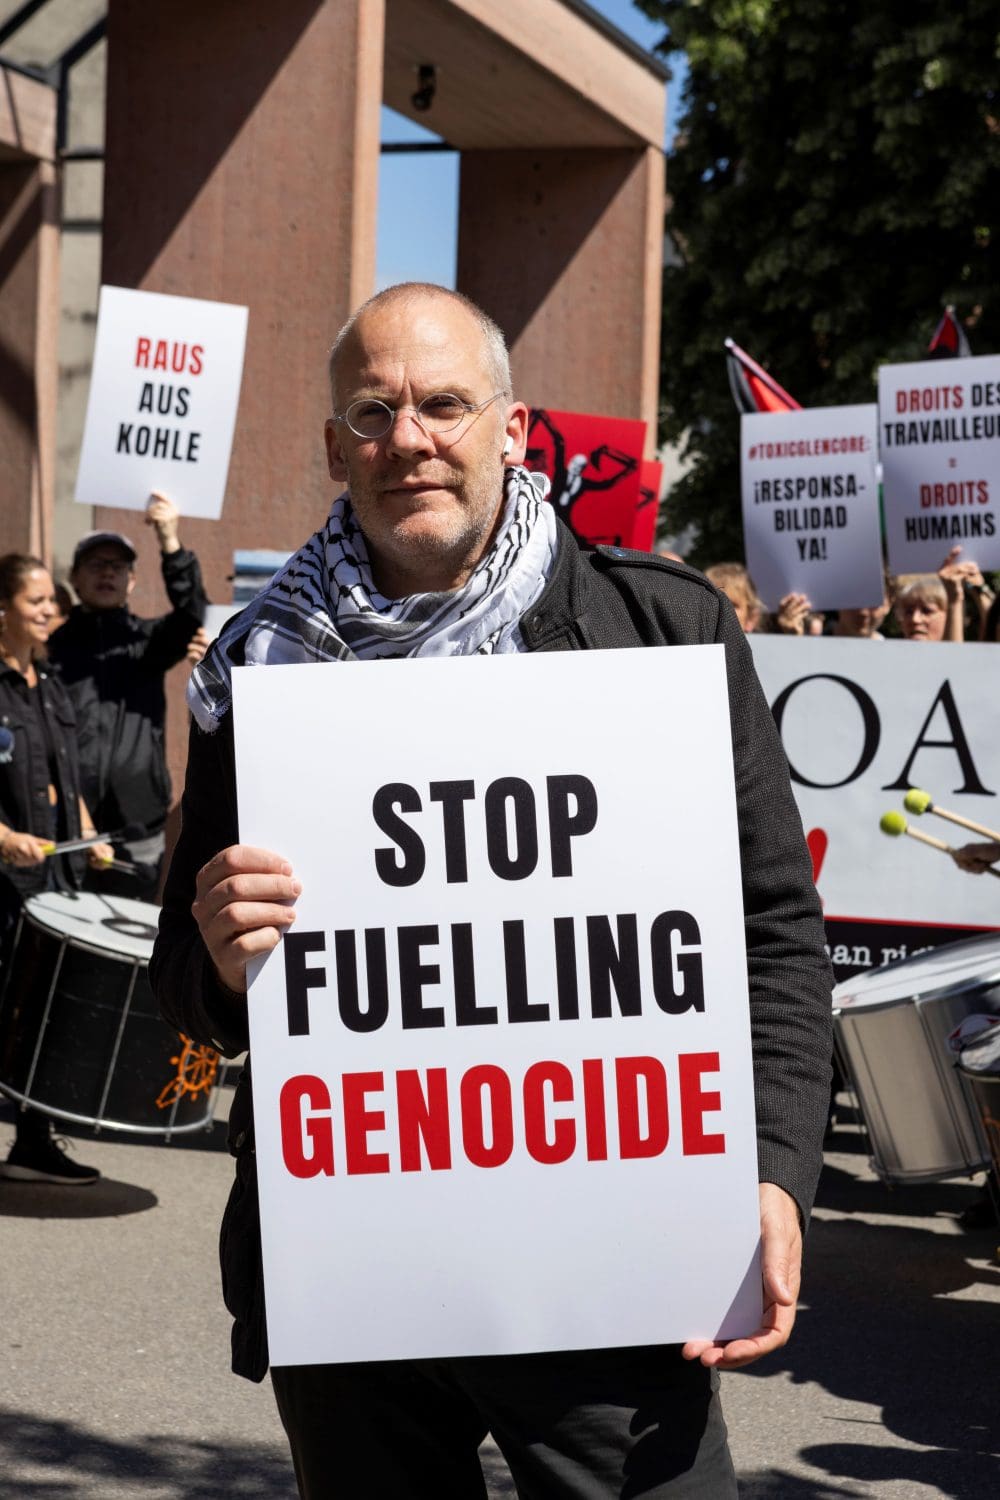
(594,465)
(650,483)
(752,387)
(949,340)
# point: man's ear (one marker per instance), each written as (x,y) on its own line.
(335,460)
(131,582)
(515,428)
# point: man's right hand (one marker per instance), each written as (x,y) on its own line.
(24,850)
(163,515)
(243,907)
(790,616)
(197,646)
(976,859)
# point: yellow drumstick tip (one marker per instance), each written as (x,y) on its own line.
(892,823)
(48,847)
(917,801)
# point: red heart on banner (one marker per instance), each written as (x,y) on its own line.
(817,842)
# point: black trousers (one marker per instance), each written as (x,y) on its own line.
(587,1425)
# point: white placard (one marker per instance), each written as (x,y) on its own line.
(551,1203)
(164,391)
(864,721)
(810,505)
(939,429)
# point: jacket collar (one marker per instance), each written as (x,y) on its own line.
(556,620)
(10,674)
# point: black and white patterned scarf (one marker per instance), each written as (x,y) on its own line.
(324,606)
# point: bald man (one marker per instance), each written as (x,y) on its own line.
(441,544)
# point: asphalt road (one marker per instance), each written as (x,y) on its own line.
(115,1384)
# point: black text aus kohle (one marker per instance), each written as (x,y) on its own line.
(172,443)
(611,973)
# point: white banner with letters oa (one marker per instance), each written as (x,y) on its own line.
(502,1077)
(164,390)
(863,722)
(810,505)
(939,425)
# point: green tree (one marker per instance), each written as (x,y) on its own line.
(835,183)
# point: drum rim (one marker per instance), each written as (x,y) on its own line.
(916,997)
(82,944)
(204,1122)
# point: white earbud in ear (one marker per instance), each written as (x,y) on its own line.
(507,447)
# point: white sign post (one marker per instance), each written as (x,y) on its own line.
(502,1074)
(939,424)
(163,397)
(810,505)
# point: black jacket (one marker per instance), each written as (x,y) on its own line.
(604,599)
(125,779)
(26,773)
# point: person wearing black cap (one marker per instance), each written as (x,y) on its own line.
(125,777)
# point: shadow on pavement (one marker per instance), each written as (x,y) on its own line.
(777,1483)
(104,1199)
(894,1316)
(81,1463)
(843,1191)
(967,1476)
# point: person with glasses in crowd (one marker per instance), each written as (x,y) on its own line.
(125,658)
(442,544)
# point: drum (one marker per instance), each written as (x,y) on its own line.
(979,1067)
(891,1026)
(80,1035)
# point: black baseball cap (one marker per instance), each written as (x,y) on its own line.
(103,538)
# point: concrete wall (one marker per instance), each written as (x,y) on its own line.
(270,200)
(80,280)
(564,249)
(75,207)
(242,165)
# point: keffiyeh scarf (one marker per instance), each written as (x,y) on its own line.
(324,606)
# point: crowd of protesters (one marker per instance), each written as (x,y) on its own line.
(82,742)
(954,604)
(82,712)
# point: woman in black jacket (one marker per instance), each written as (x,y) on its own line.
(40,804)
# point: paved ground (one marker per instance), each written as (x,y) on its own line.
(114,1381)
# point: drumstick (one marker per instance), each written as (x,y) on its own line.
(70,846)
(893,823)
(918,802)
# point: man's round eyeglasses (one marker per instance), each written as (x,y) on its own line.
(442,412)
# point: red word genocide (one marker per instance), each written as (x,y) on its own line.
(492,1121)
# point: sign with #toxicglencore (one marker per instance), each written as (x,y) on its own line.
(939,424)
(810,505)
(163,396)
(502,1076)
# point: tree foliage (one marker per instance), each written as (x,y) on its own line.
(835,183)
